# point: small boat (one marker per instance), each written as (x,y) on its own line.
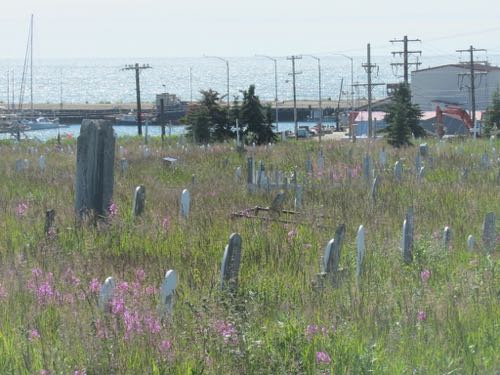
(42,123)
(130,119)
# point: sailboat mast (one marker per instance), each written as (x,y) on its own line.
(31,67)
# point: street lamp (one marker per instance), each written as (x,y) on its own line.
(227,73)
(319,89)
(352,76)
(275,86)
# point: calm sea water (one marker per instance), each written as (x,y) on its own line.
(121,131)
(103,80)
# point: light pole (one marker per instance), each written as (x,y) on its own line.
(275,86)
(227,73)
(352,76)
(319,93)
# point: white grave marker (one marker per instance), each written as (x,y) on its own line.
(185,203)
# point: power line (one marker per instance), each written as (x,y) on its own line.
(471,51)
(138,69)
(405,53)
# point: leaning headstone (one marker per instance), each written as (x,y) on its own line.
(95,158)
(298,197)
(406,243)
(123,165)
(447,237)
(146,152)
(331,258)
(308,165)
(382,156)
(167,291)
(367,167)
(106,293)
(139,201)
(398,170)
(50,216)
(185,203)
(360,252)
(250,166)
(42,163)
(237,174)
(375,185)
(421,174)
(489,232)
(260,173)
(471,242)
(230,266)
(277,204)
(121,151)
(19,165)
(424,150)
(418,163)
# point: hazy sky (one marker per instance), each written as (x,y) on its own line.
(184,28)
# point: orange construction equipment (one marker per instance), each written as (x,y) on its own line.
(455,112)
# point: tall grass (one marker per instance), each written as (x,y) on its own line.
(280,321)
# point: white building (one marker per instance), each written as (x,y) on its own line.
(450,85)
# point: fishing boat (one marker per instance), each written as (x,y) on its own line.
(42,123)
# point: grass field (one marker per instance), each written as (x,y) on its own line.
(439,314)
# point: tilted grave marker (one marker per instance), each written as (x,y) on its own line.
(277,204)
(367,167)
(185,203)
(230,266)
(106,293)
(424,150)
(421,174)
(332,253)
(406,248)
(167,291)
(471,242)
(382,156)
(309,168)
(489,232)
(123,165)
(418,163)
(139,201)
(50,216)
(447,237)
(398,170)
(237,174)
(298,197)
(375,185)
(42,163)
(321,161)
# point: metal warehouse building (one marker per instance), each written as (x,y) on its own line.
(450,85)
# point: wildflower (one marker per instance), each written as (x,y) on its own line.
(122,286)
(150,290)
(323,358)
(425,275)
(421,316)
(152,324)
(165,223)
(227,330)
(165,346)
(112,209)
(33,335)
(132,323)
(51,233)
(292,234)
(94,286)
(21,209)
(80,372)
(117,306)
(44,372)
(311,331)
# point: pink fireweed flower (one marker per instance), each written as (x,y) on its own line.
(44,372)
(227,330)
(421,316)
(165,346)
(80,372)
(94,286)
(150,290)
(33,334)
(21,209)
(165,223)
(323,358)
(425,275)
(152,324)
(132,323)
(112,209)
(292,234)
(117,306)
(311,331)
(122,286)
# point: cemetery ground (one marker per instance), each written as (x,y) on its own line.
(434,311)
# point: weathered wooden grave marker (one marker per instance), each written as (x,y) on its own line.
(489,232)
(139,201)
(332,254)
(230,266)
(360,252)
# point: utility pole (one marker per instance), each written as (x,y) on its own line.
(471,51)
(138,69)
(8,88)
(191,84)
(369,67)
(405,53)
(275,87)
(319,95)
(293,74)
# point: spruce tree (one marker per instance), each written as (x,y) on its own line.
(402,118)
(258,128)
(492,122)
